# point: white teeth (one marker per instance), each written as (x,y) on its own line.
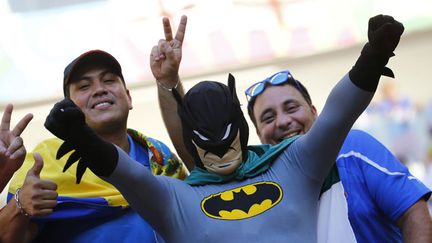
(289,135)
(102,104)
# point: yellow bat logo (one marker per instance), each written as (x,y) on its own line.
(242,202)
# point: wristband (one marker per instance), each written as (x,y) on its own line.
(18,204)
(164,87)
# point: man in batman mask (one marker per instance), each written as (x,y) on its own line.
(235,193)
(215,130)
(216,134)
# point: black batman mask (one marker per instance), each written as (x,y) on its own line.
(212,118)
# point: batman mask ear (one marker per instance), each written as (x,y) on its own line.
(244,128)
(232,88)
(177,97)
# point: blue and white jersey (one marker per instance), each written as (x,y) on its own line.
(377,187)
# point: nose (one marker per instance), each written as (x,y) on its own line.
(283,121)
(99,89)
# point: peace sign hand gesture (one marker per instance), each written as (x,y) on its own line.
(165,57)
(12,150)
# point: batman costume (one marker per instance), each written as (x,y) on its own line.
(256,194)
(238,208)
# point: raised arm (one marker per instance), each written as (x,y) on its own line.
(165,61)
(350,96)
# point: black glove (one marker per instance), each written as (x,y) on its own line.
(384,34)
(67,122)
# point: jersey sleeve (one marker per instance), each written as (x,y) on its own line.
(389,182)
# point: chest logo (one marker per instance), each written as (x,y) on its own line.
(242,202)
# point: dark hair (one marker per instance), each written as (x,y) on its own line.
(295,83)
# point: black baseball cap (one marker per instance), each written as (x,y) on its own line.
(90,58)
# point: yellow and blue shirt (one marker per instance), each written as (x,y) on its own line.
(94,209)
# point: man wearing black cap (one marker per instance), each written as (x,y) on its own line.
(95,211)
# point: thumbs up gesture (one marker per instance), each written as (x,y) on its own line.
(37,197)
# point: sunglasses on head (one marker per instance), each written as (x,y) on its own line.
(276,79)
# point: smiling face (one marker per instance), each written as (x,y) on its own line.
(282,112)
(103,98)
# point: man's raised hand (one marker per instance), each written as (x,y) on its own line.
(166,56)
(12,150)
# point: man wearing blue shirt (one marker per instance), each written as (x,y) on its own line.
(382,200)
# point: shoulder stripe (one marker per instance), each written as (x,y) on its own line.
(374,164)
